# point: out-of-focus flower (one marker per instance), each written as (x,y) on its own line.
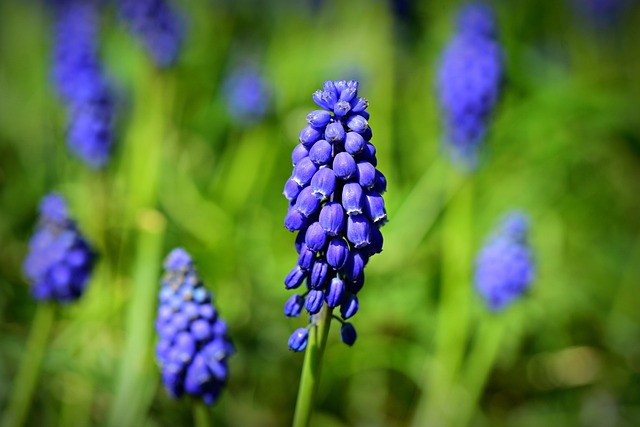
(246,94)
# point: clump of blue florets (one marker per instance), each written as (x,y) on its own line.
(504,267)
(60,260)
(469,82)
(193,349)
(81,82)
(158,26)
(335,205)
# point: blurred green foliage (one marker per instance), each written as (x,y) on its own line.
(565,147)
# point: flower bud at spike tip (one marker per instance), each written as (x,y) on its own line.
(335,204)
(335,293)
(323,183)
(348,334)
(344,166)
(298,340)
(314,302)
(332,218)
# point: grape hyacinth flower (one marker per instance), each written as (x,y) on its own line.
(246,95)
(504,267)
(60,260)
(193,349)
(335,206)
(81,82)
(158,26)
(469,82)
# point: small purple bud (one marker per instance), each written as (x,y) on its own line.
(374,207)
(355,286)
(299,243)
(340,85)
(348,334)
(349,306)
(318,274)
(357,123)
(293,306)
(358,105)
(320,153)
(294,278)
(369,154)
(354,265)
(366,174)
(335,293)
(367,134)
(314,302)
(306,258)
(315,238)
(366,115)
(341,108)
(200,329)
(303,171)
(358,230)
(334,133)
(330,87)
(323,183)
(298,340)
(344,166)
(299,152)
(291,189)
(375,247)
(318,98)
(352,198)
(348,94)
(319,118)
(337,253)
(307,203)
(354,143)
(309,135)
(380,184)
(332,218)
(294,220)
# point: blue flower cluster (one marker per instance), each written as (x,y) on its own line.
(469,83)
(158,26)
(504,267)
(60,260)
(193,349)
(335,205)
(81,82)
(246,94)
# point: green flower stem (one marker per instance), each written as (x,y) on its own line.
(311,368)
(201,416)
(440,388)
(25,381)
(479,365)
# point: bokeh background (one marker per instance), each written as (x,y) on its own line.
(186,171)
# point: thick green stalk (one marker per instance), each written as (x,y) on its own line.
(441,385)
(25,382)
(201,416)
(311,368)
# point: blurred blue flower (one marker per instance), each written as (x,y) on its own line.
(469,82)
(60,260)
(602,13)
(80,80)
(246,94)
(193,349)
(335,206)
(158,26)
(504,267)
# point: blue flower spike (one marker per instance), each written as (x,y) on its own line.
(504,267)
(469,82)
(193,347)
(60,261)
(336,207)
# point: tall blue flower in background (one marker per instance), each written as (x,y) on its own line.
(80,80)
(60,260)
(504,267)
(246,94)
(469,81)
(335,205)
(158,26)
(193,349)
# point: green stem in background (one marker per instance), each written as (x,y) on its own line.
(201,416)
(311,368)
(479,365)
(25,381)
(440,386)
